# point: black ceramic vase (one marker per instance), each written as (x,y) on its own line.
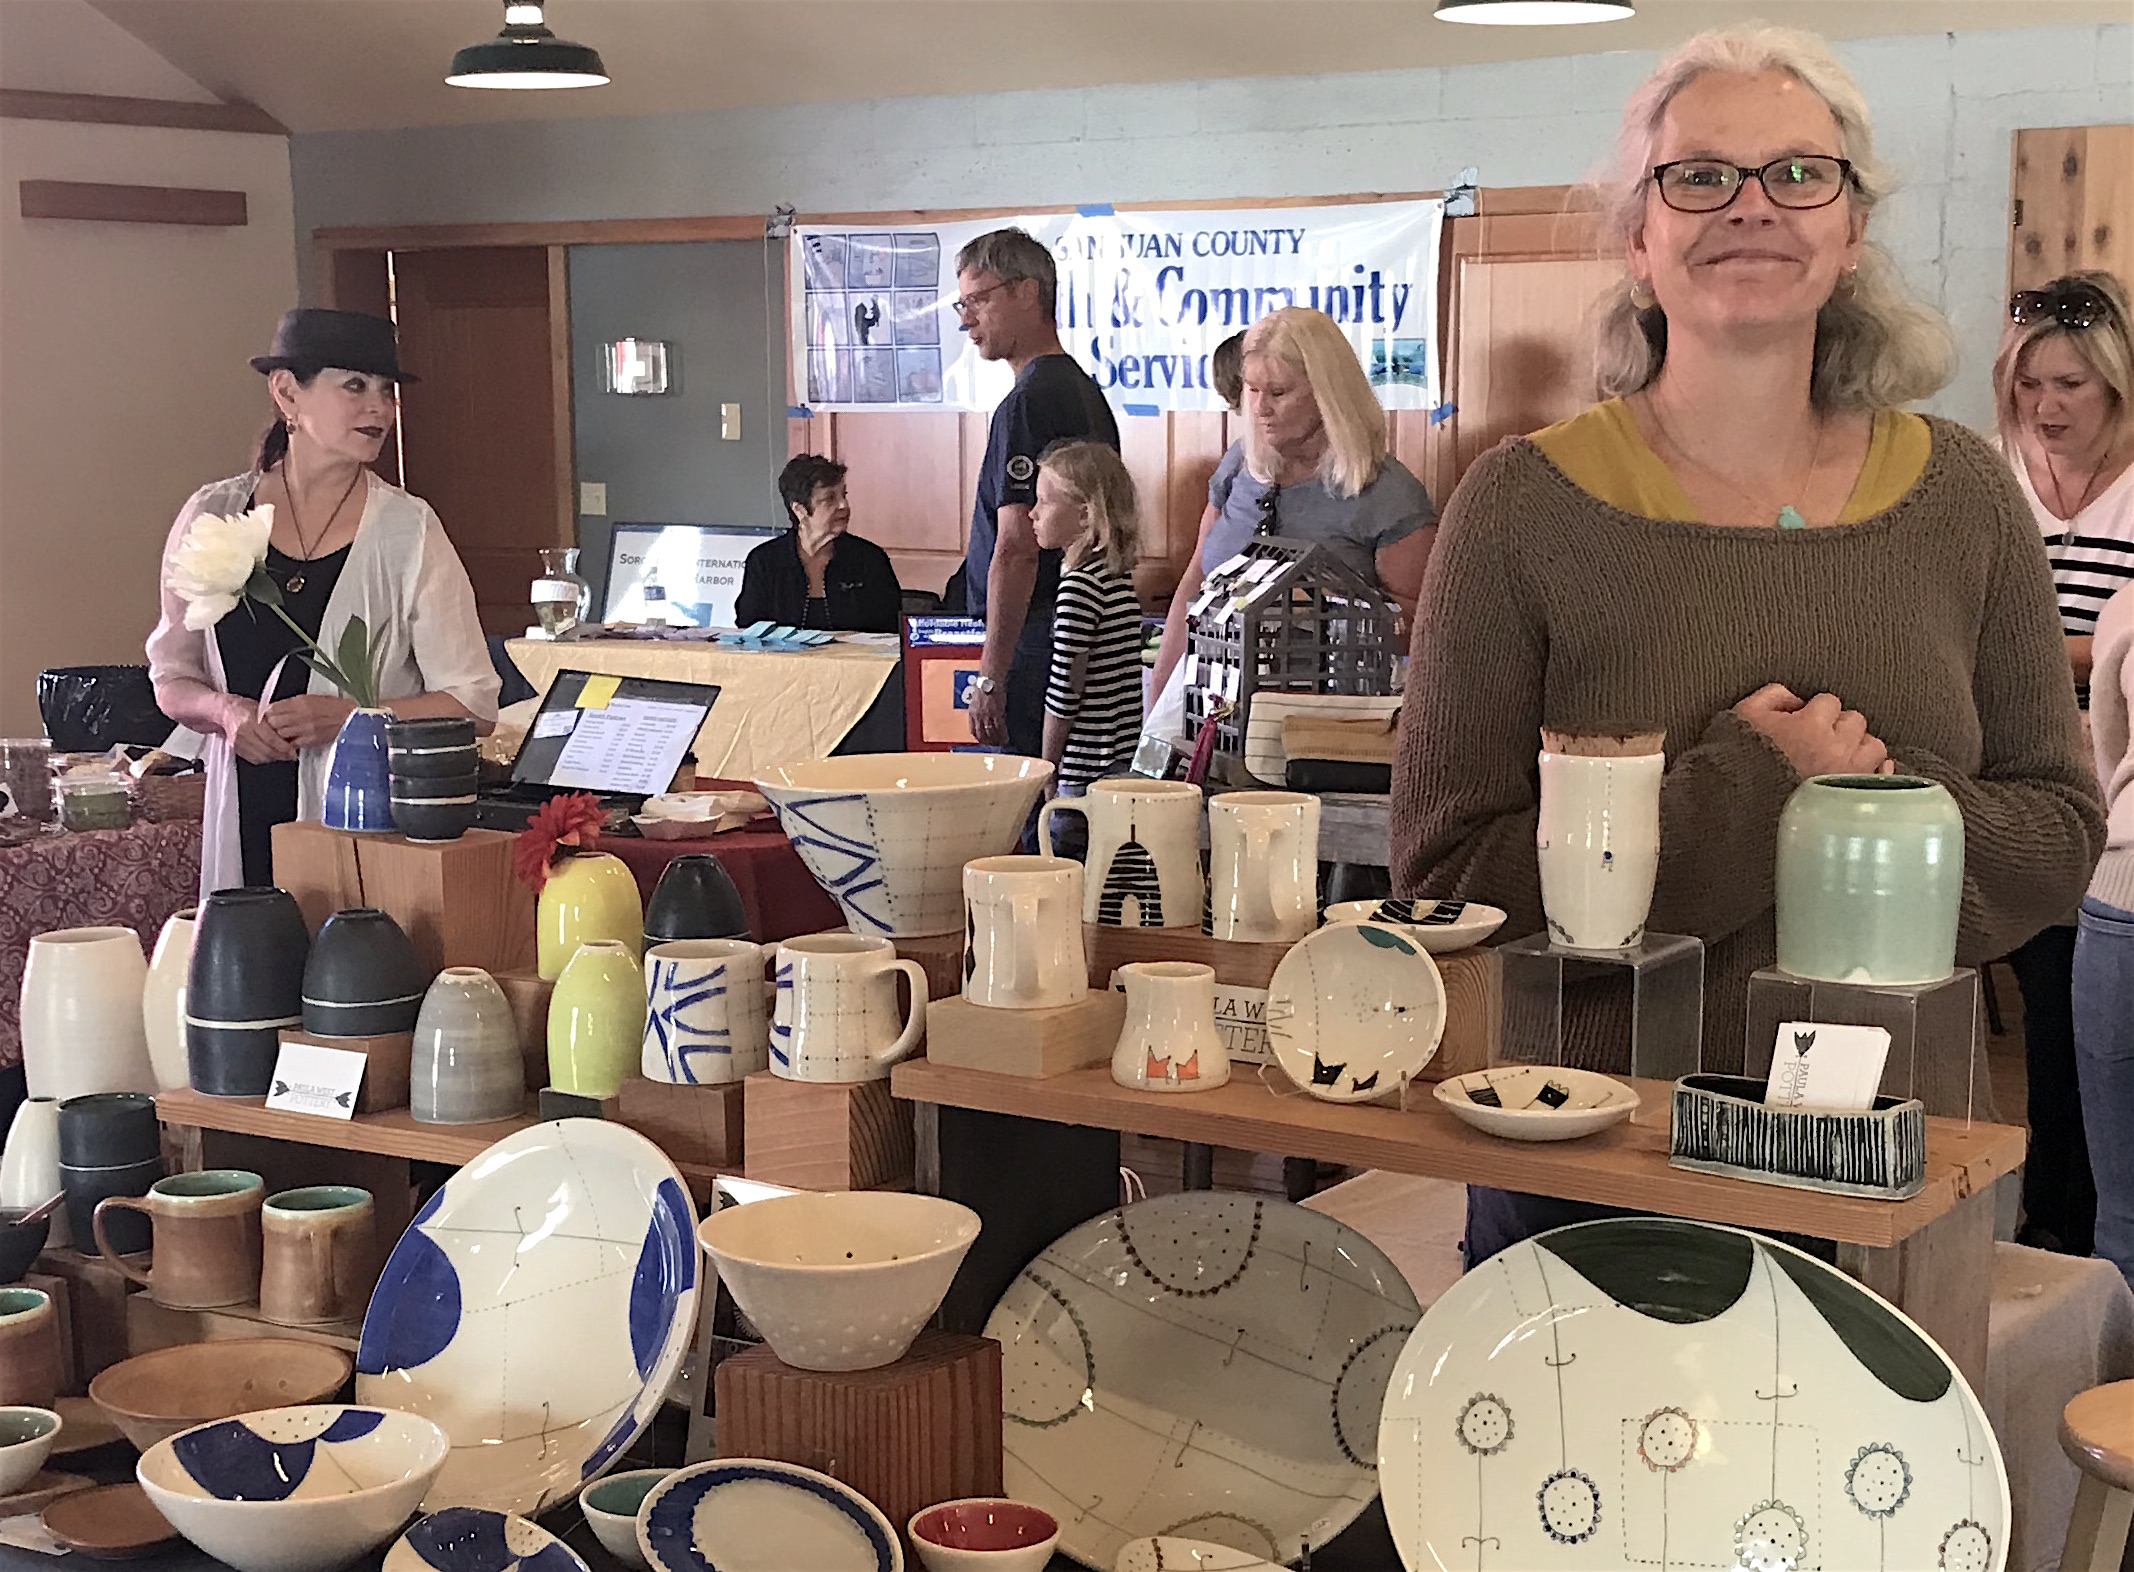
(434,808)
(245,983)
(431,749)
(695,899)
(362,979)
(109,1144)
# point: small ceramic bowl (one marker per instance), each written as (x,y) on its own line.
(610,1507)
(1440,927)
(1533,1102)
(455,1539)
(20,1242)
(294,1489)
(154,1396)
(984,1535)
(26,1439)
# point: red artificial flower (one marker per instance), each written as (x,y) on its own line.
(562,821)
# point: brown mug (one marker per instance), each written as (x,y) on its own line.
(206,1245)
(322,1255)
(29,1348)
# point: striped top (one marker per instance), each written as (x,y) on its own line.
(1096,672)
(2092,553)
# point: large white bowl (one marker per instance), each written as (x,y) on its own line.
(887,834)
(840,1281)
(294,1489)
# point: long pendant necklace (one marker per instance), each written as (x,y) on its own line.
(295,586)
(2082,499)
(1789,516)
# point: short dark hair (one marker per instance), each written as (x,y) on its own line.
(1011,255)
(802,477)
(1226,369)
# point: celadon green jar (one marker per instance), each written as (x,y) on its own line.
(1870,877)
(588,896)
(596,1020)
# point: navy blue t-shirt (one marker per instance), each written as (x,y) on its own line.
(1054,400)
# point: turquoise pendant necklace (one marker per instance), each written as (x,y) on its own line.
(1789,516)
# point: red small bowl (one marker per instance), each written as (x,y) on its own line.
(985,1525)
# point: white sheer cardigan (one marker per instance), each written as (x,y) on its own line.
(402,578)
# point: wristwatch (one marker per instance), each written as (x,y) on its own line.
(985,685)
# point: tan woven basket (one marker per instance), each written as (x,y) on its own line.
(166,799)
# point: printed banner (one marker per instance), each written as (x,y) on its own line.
(1144,298)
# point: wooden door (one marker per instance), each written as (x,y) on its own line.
(480,441)
(2072,190)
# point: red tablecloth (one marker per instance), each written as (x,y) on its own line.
(779,894)
(135,878)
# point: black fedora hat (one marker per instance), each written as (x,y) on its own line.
(310,338)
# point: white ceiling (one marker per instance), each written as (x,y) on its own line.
(320,65)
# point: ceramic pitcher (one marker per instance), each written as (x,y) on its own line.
(1598,843)
(1263,865)
(1022,947)
(82,1020)
(1143,868)
(596,1020)
(707,1011)
(1169,1043)
(206,1231)
(1870,876)
(836,1017)
(163,1000)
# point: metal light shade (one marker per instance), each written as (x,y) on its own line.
(526,55)
(1533,13)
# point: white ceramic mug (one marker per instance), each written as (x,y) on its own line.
(1143,869)
(836,1014)
(1263,860)
(1169,1043)
(1598,843)
(1022,934)
(707,1011)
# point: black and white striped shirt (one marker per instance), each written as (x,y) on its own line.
(1097,619)
(2092,553)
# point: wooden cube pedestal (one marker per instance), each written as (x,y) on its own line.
(691,1124)
(826,1135)
(940,956)
(528,994)
(386,1076)
(905,1436)
(457,900)
(1026,1042)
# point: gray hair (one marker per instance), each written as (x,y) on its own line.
(1875,346)
(1011,255)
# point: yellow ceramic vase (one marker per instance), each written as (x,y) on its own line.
(589,895)
(596,1020)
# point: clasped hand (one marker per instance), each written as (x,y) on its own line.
(1818,736)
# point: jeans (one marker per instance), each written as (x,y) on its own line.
(2104,1062)
(2059,1203)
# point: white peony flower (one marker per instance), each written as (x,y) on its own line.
(215,561)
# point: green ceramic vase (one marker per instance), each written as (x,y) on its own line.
(589,895)
(1870,876)
(596,1020)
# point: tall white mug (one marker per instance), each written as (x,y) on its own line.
(1022,945)
(1598,843)
(836,1015)
(1263,863)
(1143,868)
(707,1011)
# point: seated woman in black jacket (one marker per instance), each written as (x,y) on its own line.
(816,575)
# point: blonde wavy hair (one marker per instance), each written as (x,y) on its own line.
(1875,346)
(1306,343)
(1097,479)
(2106,347)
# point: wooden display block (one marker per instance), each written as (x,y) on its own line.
(458,900)
(1474,1018)
(391,1062)
(150,1326)
(691,1124)
(1237,962)
(907,1435)
(1026,1042)
(557,1104)
(940,955)
(826,1135)
(528,994)
(96,1295)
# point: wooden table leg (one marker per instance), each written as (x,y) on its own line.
(1942,1277)
(1197,1167)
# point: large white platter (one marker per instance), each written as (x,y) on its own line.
(1203,1365)
(1655,1394)
(536,1310)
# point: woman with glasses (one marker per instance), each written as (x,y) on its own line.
(1751,547)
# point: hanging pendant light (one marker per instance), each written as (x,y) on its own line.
(1533,13)
(526,55)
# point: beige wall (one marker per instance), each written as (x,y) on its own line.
(123,383)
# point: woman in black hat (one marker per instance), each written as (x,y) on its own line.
(344,544)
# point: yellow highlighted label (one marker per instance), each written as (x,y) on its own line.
(597,691)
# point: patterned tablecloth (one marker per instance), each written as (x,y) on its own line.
(135,877)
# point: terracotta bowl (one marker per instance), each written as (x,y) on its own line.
(156,1395)
(984,1535)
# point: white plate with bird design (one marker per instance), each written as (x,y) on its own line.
(1355,1011)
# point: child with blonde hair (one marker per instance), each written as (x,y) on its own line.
(1085,507)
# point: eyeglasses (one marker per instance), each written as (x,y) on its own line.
(966,306)
(1270,513)
(2071,305)
(1709,185)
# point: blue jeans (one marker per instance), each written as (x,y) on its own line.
(2104,1064)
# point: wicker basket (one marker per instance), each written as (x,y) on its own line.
(167,799)
(1721,1126)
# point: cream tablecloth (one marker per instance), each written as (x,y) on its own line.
(773,708)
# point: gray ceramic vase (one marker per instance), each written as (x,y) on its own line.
(467,1067)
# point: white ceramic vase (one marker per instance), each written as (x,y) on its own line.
(81,1014)
(163,1001)
(29,1167)
(1169,1043)
(1598,842)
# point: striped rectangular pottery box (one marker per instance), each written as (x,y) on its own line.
(1721,1126)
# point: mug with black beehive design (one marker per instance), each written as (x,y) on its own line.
(1143,868)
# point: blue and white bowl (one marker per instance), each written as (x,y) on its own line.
(475,1539)
(305,1489)
(750,1512)
(537,1309)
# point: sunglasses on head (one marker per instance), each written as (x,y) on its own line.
(2071,305)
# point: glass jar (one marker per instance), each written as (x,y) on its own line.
(561,597)
(100,800)
(26,773)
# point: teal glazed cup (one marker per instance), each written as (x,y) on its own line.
(1870,876)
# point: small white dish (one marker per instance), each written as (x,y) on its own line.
(27,1436)
(475,1539)
(1441,927)
(746,1514)
(1165,1554)
(611,1505)
(1537,1102)
(1354,1011)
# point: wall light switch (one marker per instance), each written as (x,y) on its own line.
(729,422)
(593,498)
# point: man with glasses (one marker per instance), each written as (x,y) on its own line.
(1006,287)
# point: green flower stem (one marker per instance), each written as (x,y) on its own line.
(363,694)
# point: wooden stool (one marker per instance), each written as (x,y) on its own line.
(2097,1432)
